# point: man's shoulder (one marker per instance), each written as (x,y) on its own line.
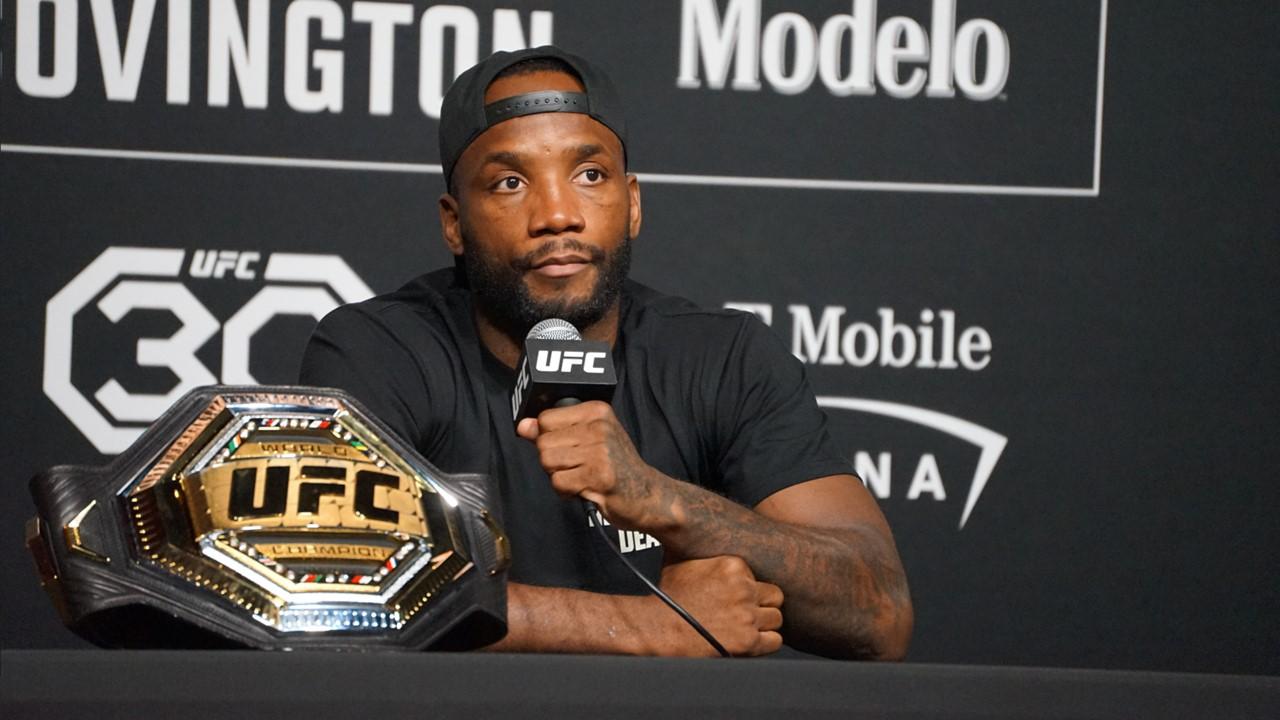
(424,300)
(658,316)
(421,319)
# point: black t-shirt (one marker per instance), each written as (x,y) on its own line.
(709,397)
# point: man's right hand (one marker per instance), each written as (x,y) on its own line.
(743,613)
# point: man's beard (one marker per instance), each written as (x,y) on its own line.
(504,299)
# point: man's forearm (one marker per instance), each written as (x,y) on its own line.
(721,592)
(846,593)
(545,619)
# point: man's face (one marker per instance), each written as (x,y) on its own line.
(543,212)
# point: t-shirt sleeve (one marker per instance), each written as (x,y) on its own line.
(354,349)
(772,432)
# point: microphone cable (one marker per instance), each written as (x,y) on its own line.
(596,518)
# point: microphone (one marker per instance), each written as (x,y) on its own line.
(559,368)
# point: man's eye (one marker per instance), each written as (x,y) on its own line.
(592,175)
(509,183)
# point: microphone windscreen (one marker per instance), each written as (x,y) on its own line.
(554,329)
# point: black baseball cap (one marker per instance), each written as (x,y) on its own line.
(464,116)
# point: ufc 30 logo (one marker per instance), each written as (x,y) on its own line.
(147,279)
(567,360)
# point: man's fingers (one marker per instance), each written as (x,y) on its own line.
(548,439)
(528,429)
(768,595)
(580,414)
(547,426)
(572,482)
(769,642)
(768,618)
(554,459)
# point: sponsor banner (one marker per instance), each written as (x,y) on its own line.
(915,456)
(903,453)
(838,94)
(830,337)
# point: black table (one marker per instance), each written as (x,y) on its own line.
(246,685)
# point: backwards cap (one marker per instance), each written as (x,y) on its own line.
(464,116)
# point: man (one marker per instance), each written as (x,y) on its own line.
(712,463)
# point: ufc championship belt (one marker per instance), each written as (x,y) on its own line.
(271,517)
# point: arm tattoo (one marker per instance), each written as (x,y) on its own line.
(845,588)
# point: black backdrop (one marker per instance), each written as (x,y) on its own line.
(1084,476)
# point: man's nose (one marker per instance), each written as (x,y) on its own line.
(556,210)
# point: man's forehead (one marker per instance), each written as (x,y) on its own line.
(548,135)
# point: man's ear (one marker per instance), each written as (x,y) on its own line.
(450,226)
(633,222)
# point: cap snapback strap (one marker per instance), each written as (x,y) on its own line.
(535,102)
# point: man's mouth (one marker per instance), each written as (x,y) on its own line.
(562,265)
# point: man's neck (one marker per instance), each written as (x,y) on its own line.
(507,349)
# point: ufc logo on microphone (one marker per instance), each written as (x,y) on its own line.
(567,360)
